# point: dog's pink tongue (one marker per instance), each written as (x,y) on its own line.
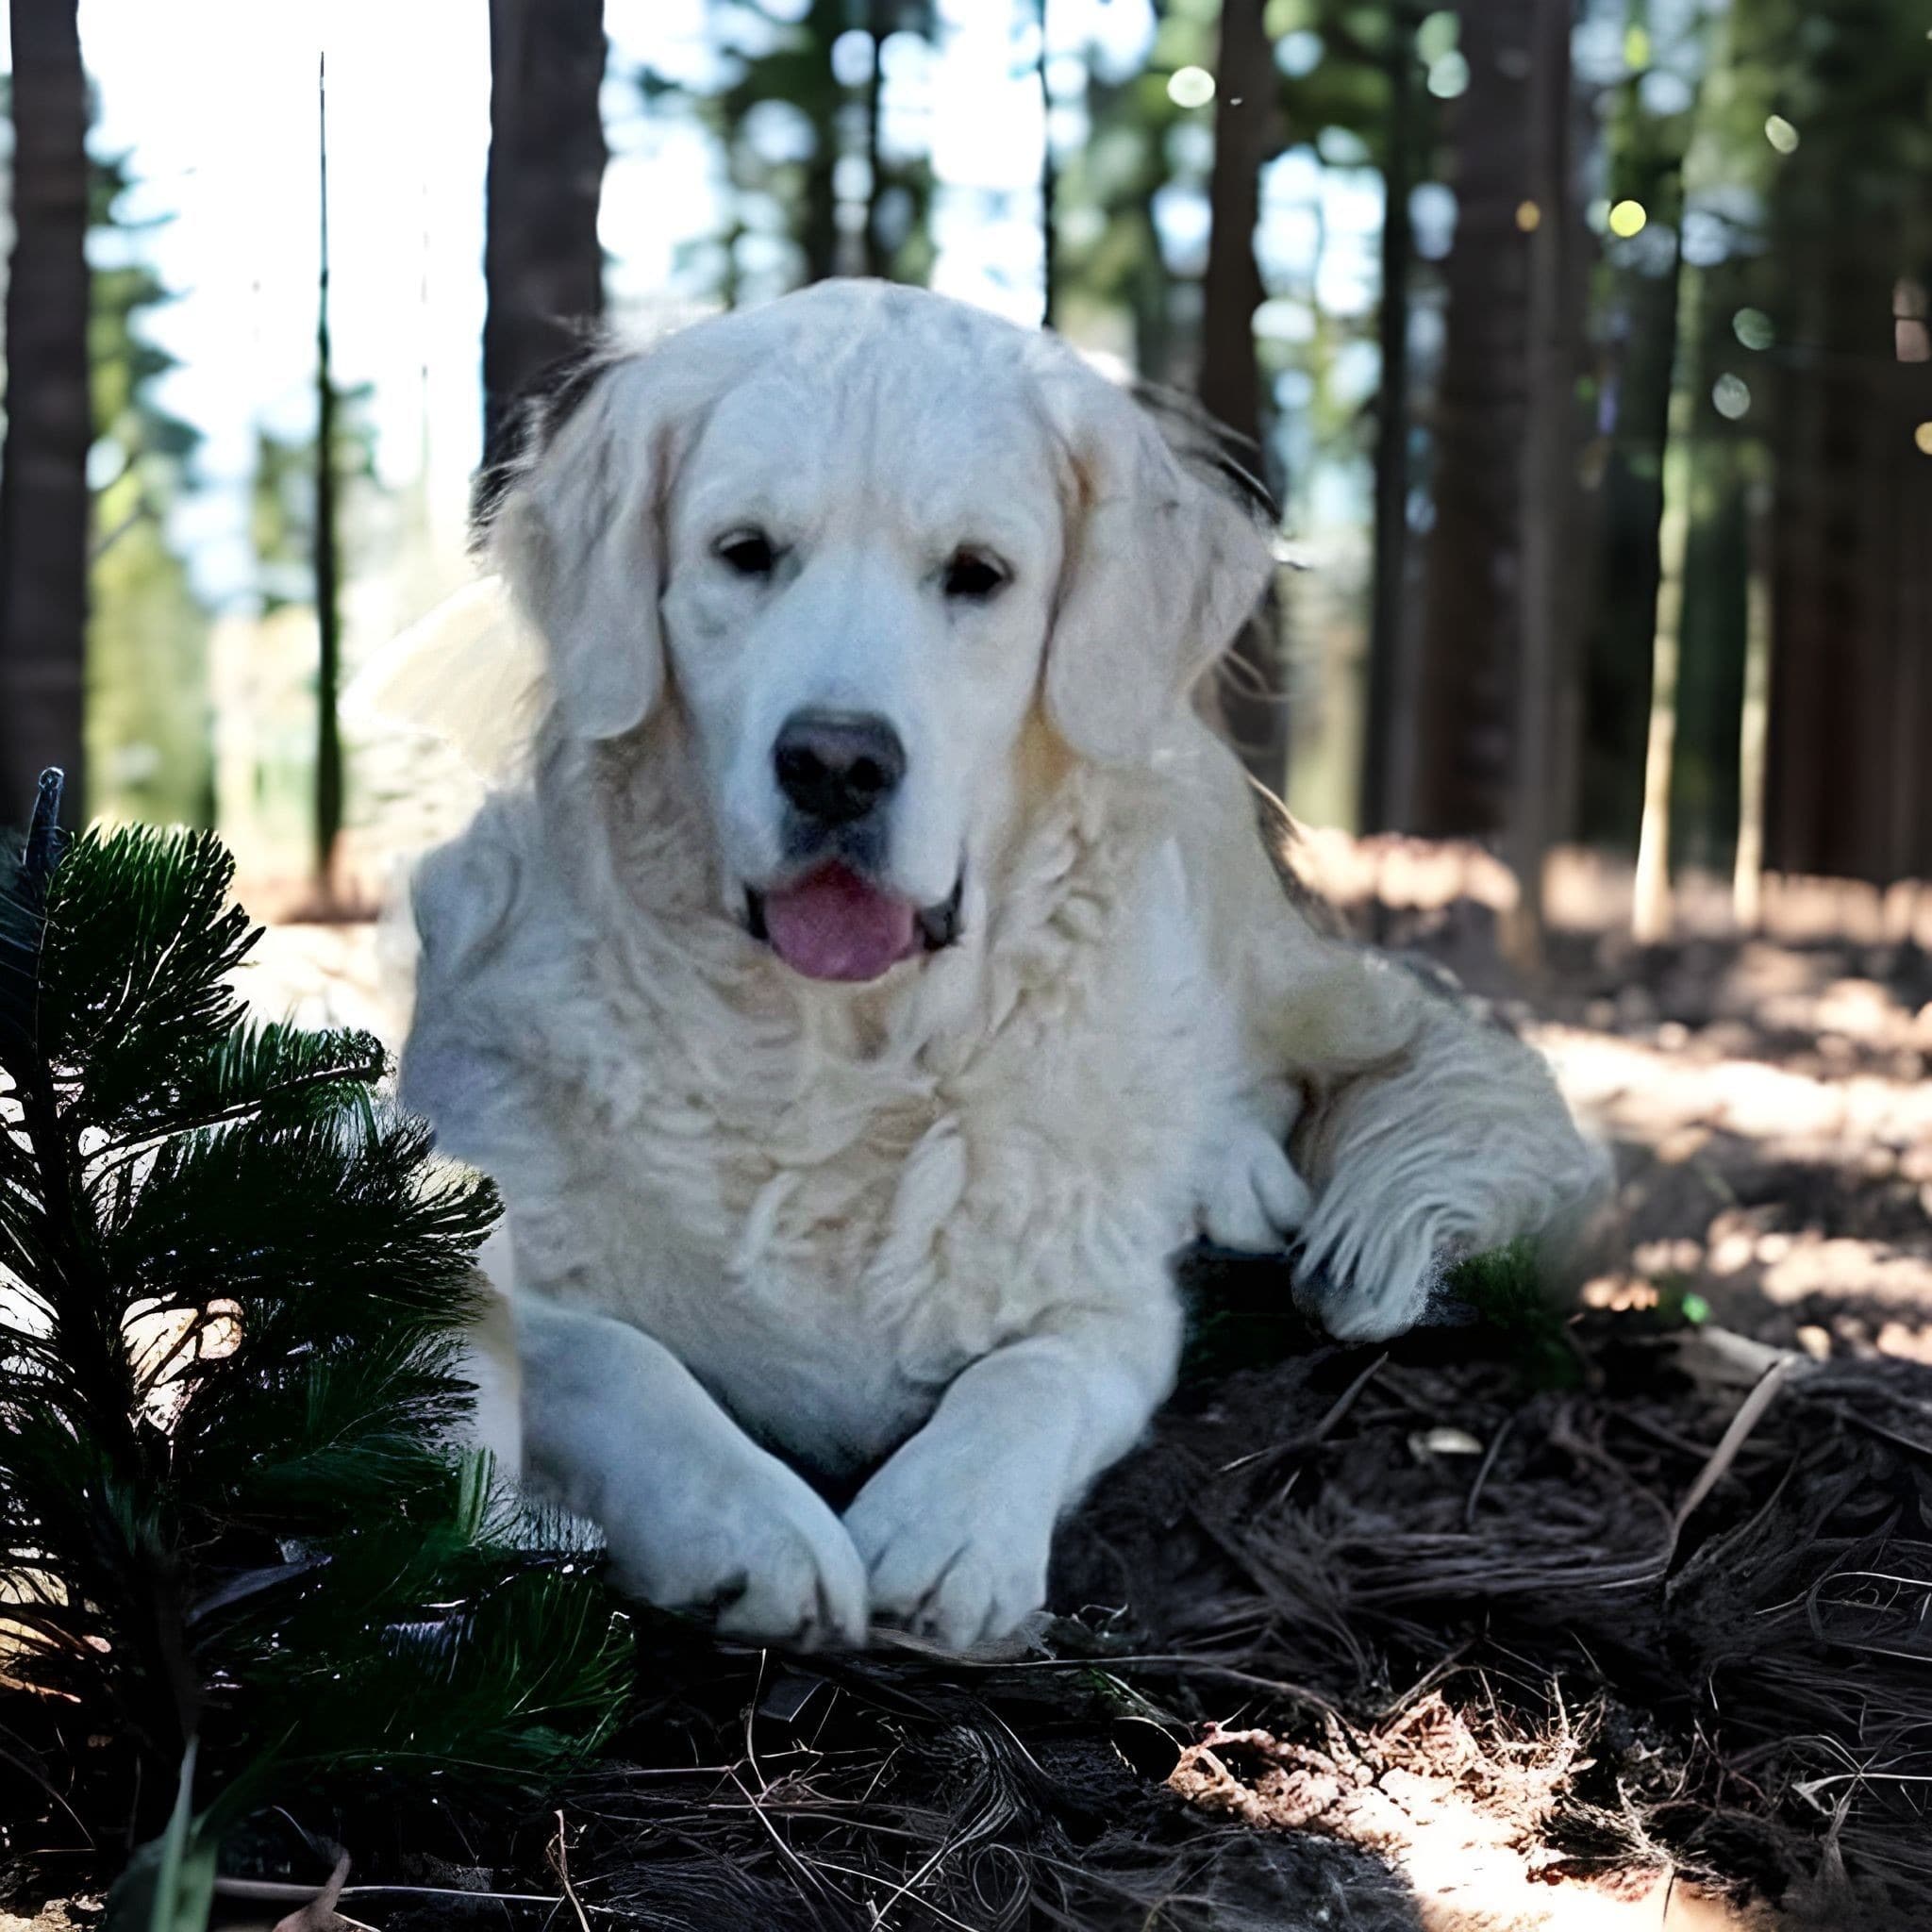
(834,925)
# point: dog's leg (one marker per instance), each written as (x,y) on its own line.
(1429,1135)
(957,1528)
(693,1511)
(1461,1145)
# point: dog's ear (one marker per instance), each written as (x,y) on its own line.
(1163,566)
(579,536)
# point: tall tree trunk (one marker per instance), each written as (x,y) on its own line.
(819,218)
(878,25)
(1651,916)
(1548,657)
(1229,385)
(1848,789)
(1049,186)
(43,493)
(1747,865)
(1472,636)
(328,733)
(1152,298)
(1389,727)
(541,263)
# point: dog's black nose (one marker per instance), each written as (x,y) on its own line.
(837,766)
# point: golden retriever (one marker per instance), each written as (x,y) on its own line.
(876,974)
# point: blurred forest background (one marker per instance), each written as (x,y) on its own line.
(1586,342)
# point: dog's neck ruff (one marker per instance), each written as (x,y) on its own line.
(624,824)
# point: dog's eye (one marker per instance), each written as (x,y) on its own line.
(750,553)
(971,574)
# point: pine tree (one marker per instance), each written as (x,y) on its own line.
(235,1527)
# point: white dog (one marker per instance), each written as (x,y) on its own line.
(879,973)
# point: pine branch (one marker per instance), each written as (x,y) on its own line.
(232,1516)
(260,1070)
(23,916)
(135,984)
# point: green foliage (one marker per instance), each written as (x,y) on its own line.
(282,506)
(784,120)
(1110,257)
(1507,1292)
(169,1884)
(233,1518)
(147,714)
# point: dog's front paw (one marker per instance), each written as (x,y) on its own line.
(954,1553)
(749,1536)
(1371,1282)
(1251,1198)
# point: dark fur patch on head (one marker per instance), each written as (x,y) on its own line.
(536,416)
(1226,461)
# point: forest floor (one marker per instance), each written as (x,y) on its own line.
(1622,1619)
(1766,1098)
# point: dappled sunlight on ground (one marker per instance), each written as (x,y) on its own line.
(1466,1820)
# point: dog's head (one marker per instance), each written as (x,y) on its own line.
(862,536)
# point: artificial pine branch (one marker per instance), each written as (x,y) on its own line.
(232,1513)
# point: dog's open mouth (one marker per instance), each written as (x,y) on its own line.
(834,925)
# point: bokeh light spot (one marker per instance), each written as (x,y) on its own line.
(1190,87)
(1752,327)
(1730,396)
(852,57)
(1628,218)
(1437,35)
(1923,437)
(1781,135)
(1529,217)
(1300,53)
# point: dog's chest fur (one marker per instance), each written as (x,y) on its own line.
(825,1204)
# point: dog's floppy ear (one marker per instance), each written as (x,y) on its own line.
(1162,568)
(578,535)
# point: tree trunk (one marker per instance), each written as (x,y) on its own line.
(1747,864)
(1049,186)
(1389,727)
(819,218)
(541,263)
(1153,299)
(1848,788)
(878,25)
(1473,631)
(44,493)
(1548,654)
(1651,916)
(1229,384)
(328,669)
